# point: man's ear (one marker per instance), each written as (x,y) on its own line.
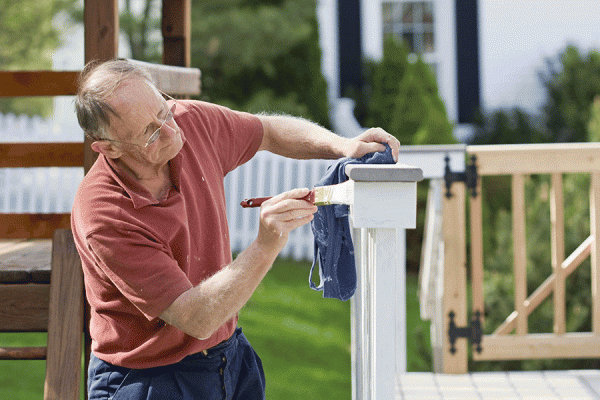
(107,148)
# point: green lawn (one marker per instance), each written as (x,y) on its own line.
(302,339)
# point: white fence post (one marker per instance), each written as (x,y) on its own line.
(385,202)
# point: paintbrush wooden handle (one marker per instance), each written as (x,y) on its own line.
(257,201)
(254,202)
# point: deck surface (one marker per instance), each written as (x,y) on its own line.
(536,385)
(25,261)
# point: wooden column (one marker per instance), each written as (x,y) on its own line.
(455,278)
(176,31)
(101,22)
(65,320)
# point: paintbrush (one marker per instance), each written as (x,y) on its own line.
(342,193)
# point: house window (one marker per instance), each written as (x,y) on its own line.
(411,21)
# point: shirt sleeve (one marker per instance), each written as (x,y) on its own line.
(140,268)
(234,136)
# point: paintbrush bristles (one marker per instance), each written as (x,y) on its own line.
(335,194)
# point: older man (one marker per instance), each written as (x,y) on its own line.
(150,225)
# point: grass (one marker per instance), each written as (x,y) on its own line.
(302,339)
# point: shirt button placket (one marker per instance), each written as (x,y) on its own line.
(222,372)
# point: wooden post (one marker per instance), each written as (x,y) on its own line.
(65,321)
(101,31)
(433,290)
(455,278)
(384,204)
(176,31)
(101,25)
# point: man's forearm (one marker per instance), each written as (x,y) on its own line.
(301,139)
(200,311)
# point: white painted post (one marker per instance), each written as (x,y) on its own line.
(385,200)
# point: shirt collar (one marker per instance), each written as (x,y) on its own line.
(138,194)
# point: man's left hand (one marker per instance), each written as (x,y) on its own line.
(371,141)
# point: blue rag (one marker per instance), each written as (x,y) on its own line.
(331,229)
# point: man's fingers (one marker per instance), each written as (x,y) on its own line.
(381,136)
(291,194)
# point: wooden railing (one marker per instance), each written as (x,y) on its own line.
(518,162)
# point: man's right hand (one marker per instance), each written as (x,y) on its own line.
(280,215)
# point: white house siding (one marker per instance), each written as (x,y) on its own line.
(515,37)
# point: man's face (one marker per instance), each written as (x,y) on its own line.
(142,110)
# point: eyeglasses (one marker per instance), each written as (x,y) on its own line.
(156,134)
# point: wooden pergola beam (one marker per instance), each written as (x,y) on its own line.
(38,83)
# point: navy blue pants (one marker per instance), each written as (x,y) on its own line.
(231,370)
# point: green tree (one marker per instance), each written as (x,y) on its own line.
(506,127)
(382,84)
(572,82)
(419,115)
(260,56)
(402,97)
(28,37)
(138,29)
(139,26)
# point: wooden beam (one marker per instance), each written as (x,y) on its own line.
(65,323)
(538,346)
(536,158)
(38,83)
(28,155)
(176,31)
(173,80)
(101,22)
(32,226)
(544,290)
(24,307)
(455,278)
(23,353)
(101,29)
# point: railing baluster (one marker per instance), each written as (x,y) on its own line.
(558,251)
(477,252)
(519,251)
(595,253)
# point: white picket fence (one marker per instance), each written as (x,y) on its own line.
(52,190)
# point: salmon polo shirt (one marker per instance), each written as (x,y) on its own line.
(139,254)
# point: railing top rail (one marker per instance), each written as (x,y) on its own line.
(434,148)
(536,158)
(384,173)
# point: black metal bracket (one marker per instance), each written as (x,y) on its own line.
(469,177)
(472,332)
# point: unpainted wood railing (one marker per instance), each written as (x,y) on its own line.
(512,340)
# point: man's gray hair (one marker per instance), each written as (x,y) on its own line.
(96,83)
